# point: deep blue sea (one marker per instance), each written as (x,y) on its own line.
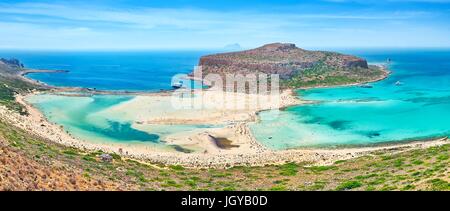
(136,71)
(418,108)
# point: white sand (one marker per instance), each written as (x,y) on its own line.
(206,107)
(154,109)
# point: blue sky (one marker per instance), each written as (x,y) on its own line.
(189,24)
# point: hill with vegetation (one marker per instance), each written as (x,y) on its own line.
(12,82)
(296,67)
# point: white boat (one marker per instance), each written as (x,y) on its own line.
(398,83)
(177,85)
(366,86)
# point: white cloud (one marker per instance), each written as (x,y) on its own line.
(60,26)
(182,18)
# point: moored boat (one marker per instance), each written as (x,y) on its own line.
(366,86)
(177,85)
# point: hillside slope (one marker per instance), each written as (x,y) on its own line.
(11,83)
(32,163)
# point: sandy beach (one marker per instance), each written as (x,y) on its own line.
(208,154)
(230,143)
(156,109)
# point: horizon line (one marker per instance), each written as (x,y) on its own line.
(215,48)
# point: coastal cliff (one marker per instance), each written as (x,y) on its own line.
(12,83)
(10,66)
(296,67)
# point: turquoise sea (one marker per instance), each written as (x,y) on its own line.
(84,117)
(419,108)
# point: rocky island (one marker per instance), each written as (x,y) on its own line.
(297,68)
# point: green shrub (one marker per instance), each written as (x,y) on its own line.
(439,184)
(70,152)
(177,167)
(278,188)
(349,185)
(89,158)
(289,169)
(321,168)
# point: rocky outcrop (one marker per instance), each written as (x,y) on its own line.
(13,63)
(277,58)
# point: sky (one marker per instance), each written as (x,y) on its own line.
(211,24)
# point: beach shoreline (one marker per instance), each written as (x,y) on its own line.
(257,156)
(249,153)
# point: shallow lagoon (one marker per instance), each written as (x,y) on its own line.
(84,118)
(420,108)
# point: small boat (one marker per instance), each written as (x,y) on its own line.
(366,86)
(398,83)
(177,85)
